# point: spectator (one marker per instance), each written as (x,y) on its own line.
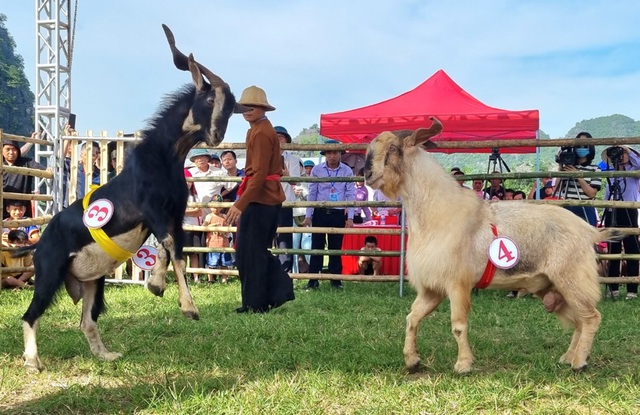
(17,183)
(95,172)
(290,168)
(362,195)
(625,189)
(215,161)
(264,284)
(16,210)
(370,265)
(519,195)
(308,165)
(301,240)
(508,194)
(16,238)
(580,188)
(495,190)
(193,216)
(329,217)
(455,172)
(206,190)
(217,239)
(477,189)
(534,193)
(230,163)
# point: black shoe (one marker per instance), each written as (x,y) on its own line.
(243,309)
(310,287)
(337,286)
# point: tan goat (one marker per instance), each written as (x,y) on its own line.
(450,230)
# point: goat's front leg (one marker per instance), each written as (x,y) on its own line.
(424,304)
(92,306)
(460,299)
(157,281)
(185,300)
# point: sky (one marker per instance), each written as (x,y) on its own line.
(571,60)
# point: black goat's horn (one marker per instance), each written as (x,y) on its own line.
(182,62)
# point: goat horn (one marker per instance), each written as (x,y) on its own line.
(181,61)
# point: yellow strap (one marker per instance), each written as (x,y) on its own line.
(102,239)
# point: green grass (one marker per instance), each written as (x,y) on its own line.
(327,352)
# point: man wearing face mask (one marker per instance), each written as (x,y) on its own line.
(580,188)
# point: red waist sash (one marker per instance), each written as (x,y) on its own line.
(246,179)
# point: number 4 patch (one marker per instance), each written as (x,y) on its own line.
(504,252)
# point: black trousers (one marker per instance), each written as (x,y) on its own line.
(623,218)
(285,240)
(264,284)
(330,218)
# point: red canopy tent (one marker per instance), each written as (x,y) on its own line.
(463,116)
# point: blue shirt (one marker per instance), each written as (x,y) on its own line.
(344,191)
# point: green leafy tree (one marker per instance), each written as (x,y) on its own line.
(16,99)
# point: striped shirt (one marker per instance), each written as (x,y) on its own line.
(571,189)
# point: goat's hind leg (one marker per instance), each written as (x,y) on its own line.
(47,283)
(92,306)
(426,301)
(157,281)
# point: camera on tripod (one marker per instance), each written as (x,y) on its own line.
(615,154)
(567,156)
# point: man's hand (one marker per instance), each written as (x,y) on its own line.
(306,222)
(233,215)
(349,223)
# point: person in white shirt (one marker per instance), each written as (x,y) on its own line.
(206,190)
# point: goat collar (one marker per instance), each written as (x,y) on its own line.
(490,269)
(102,239)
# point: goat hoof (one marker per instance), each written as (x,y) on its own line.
(462,368)
(193,315)
(580,369)
(414,368)
(33,367)
(110,356)
(155,290)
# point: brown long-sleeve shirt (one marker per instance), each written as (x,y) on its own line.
(263,159)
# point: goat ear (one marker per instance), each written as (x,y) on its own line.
(421,135)
(195,73)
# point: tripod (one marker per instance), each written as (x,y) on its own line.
(618,217)
(495,165)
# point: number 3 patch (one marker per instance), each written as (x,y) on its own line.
(504,253)
(98,213)
(146,257)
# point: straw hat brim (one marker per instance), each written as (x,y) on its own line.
(266,107)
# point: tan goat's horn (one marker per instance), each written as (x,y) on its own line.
(182,62)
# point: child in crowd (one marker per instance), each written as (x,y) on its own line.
(16,210)
(216,260)
(16,238)
(370,265)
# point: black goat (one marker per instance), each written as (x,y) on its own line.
(149,196)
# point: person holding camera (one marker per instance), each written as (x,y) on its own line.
(576,159)
(622,158)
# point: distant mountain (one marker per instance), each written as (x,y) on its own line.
(615,125)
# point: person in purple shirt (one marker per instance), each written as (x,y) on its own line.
(362,195)
(626,189)
(329,217)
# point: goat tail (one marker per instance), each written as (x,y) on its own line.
(614,234)
(23,250)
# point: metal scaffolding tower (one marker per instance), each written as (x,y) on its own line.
(54,46)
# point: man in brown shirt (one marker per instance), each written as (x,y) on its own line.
(265,284)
